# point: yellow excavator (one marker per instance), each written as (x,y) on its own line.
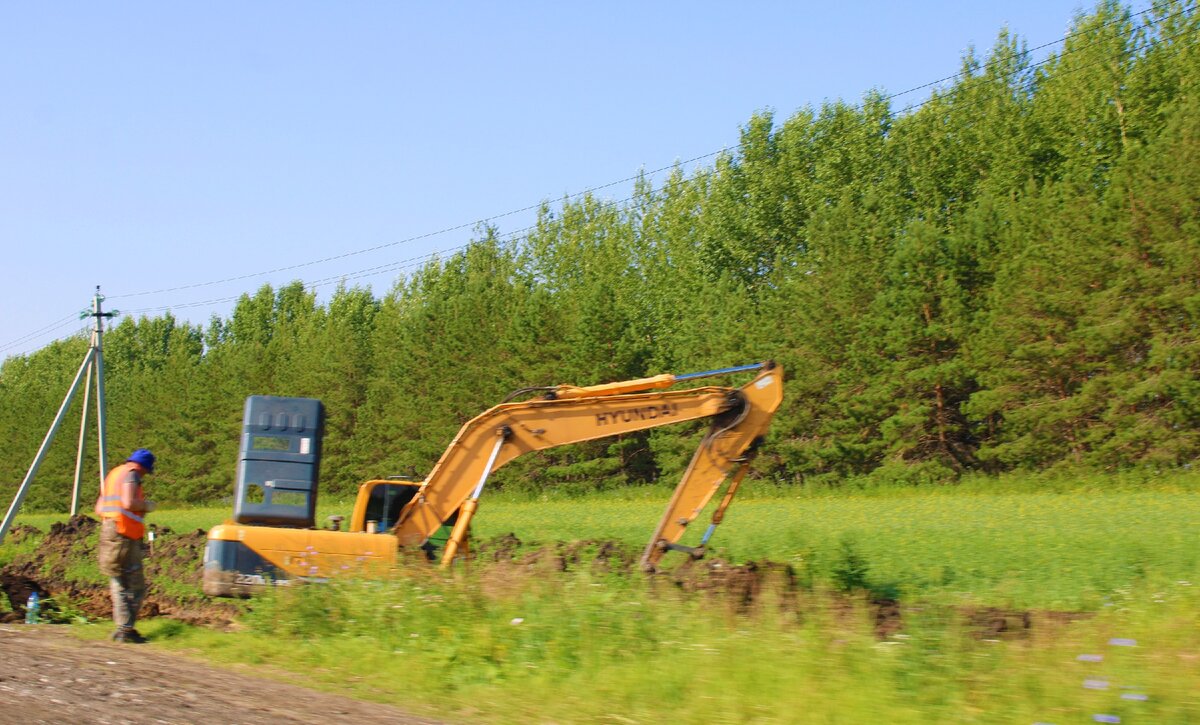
(272,539)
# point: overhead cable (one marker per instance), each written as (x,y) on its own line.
(408,263)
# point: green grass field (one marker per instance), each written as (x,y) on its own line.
(588,647)
(1030,550)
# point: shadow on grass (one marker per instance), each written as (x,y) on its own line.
(167,629)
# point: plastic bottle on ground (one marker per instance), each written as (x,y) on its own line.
(32,605)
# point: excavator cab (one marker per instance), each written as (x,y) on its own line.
(378,508)
(384,502)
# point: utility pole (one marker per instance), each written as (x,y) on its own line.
(92,367)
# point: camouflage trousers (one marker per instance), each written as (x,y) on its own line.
(121,562)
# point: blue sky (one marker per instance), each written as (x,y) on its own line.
(167,146)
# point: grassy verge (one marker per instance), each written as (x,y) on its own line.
(595,648)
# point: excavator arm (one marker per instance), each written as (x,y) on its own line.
(568,414)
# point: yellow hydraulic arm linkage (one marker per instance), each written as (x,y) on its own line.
(569,414)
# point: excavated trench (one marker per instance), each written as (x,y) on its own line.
(57,570)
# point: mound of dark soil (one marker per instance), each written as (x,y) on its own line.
(174,569)
(55,571)
(996,623)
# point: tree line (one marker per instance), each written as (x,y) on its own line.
(1006,277)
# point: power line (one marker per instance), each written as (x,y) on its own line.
(1029,84)
(1025,86)
(45,331)
(400,265)
(408,263)
(1043,46)
(531,207)
(48,328)
(412,262)
(407,240)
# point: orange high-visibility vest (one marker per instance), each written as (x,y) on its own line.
(108,506)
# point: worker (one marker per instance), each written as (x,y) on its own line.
(121,506)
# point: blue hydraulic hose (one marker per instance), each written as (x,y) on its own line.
(722,371)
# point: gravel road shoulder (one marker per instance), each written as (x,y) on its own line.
(48,676)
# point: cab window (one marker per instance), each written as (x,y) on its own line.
(386,501)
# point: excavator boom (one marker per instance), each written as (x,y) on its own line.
(740,417)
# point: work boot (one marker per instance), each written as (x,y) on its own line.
(131,636)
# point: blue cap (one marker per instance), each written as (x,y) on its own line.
(144,458)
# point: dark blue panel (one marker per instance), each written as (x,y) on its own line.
(279,464)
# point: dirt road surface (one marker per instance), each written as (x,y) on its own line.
(48,676)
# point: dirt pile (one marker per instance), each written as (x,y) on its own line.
(62,569)
(996,623)
(742,589)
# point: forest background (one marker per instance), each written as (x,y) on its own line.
(1006,277)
